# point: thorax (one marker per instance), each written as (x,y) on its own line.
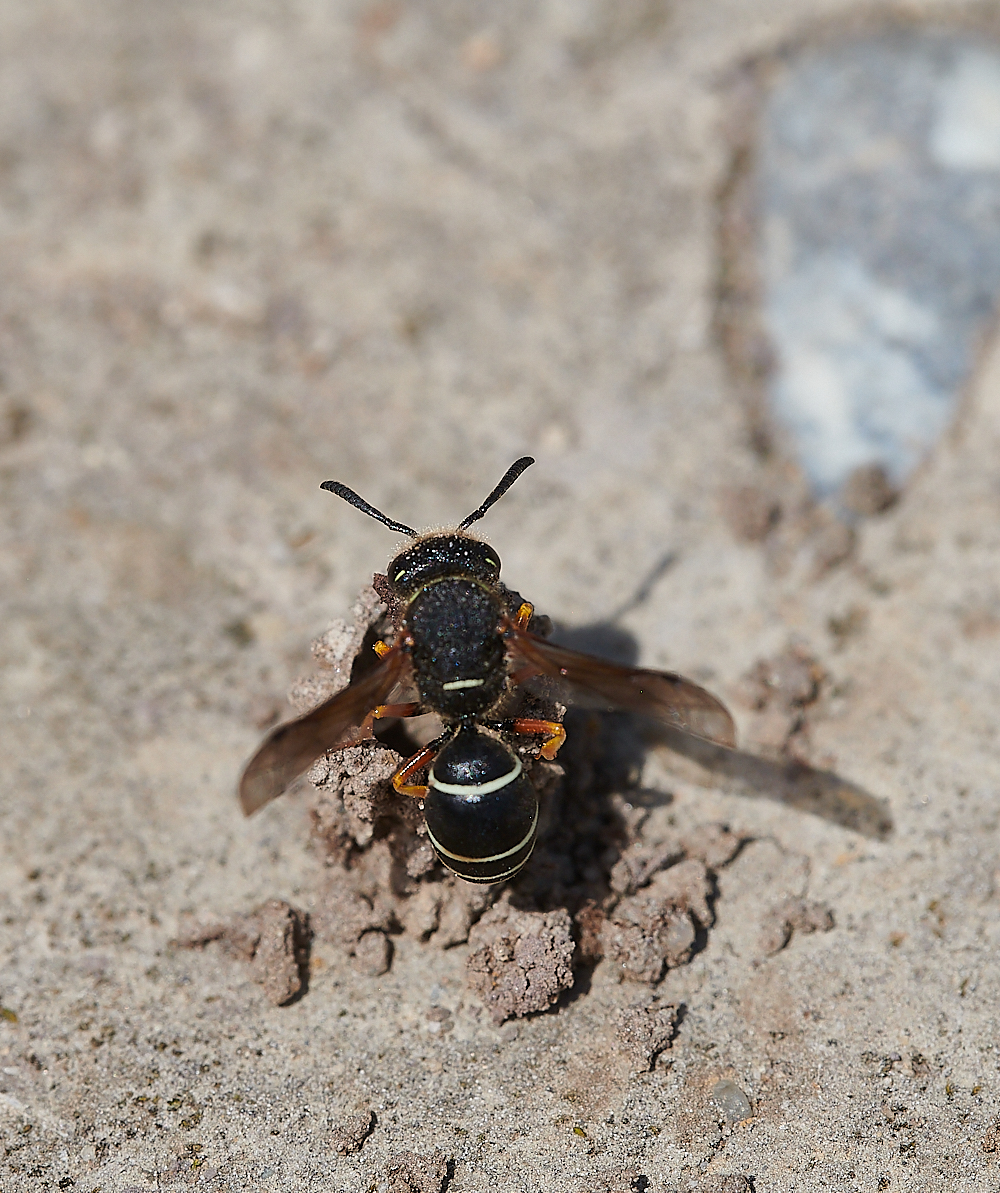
(458,650)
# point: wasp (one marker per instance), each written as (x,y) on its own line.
(462,641)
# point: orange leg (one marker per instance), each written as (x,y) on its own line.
(554,733)
(524,615)
(383,648)
(417,762)
(412,709)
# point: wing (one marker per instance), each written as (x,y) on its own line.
(293,747)
(667,697)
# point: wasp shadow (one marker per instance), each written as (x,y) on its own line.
(785,781)
(626,737)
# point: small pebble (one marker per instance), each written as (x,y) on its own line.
(645,1030)
(730,1183)
(408,1172)
(350,1135)
(372,954)
(519,962)
(731,1101)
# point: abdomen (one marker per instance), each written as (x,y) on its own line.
(481,809)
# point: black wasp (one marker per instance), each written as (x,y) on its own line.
(465,647)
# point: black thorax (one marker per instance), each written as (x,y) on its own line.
(458,649)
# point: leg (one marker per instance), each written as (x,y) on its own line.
(554,733)
(383,648)
(412,709)
(521,623)
(417,762)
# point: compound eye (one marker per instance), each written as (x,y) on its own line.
(400,570)
(493,563)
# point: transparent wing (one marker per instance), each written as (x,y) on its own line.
(293,747)
(661,694)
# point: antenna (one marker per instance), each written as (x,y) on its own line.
(509,477)
(359,503)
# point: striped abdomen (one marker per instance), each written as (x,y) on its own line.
(481,809)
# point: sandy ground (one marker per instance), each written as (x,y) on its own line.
(250,247)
